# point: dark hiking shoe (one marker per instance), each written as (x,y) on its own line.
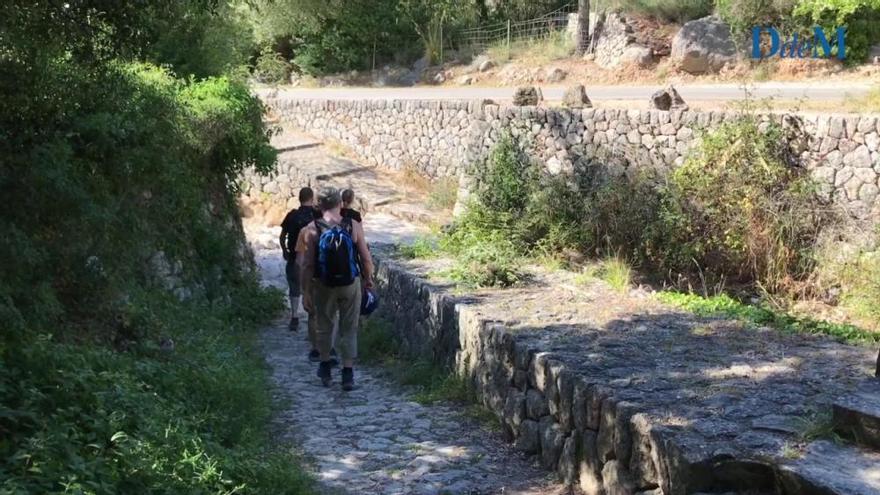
(324,373)
(314,356)
(347,379)
(293,326)
(334,360)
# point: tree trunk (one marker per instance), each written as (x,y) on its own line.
(583,27)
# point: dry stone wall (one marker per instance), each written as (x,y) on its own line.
(440,138)
(643,405)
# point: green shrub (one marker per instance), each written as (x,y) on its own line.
(739,209)
(484,249)
(506,178)
(669,10)
(860,17)
(271,68)
(89,419)
(743,15)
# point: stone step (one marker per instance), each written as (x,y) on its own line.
(857,416)
(830,468)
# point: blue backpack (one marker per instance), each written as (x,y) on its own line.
(337,257)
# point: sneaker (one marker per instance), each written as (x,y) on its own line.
(293,326)
(324,373)
(314,356)
(334,359)
(347,379)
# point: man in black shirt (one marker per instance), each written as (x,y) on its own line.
(347,202)
(290,228)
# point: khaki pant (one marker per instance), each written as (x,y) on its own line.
(346,301)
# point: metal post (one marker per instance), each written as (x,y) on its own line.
(508,39)
(441,41)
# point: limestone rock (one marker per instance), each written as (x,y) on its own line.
(555,74)
(552,441)
(514,407)
(525,96)
(465,80)
(576,97)
(637,54)
(668,99)
(536,404)
(703,45)
(528,439)
(857,416)
(616,479)
(486,65)
(568,460)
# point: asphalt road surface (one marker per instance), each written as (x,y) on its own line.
(695,92)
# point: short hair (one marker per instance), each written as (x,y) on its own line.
(348,196)
(329,198)
(306,194)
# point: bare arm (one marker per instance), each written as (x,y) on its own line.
(364,252)
(307,271)
(282,240)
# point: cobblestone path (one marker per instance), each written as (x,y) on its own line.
(375,439)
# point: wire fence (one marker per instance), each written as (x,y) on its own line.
(550,24)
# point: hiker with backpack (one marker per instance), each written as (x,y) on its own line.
(333,245)
(291,226)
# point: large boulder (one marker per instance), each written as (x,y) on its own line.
(526,95)
(703,45)
(576,97)
(668,99)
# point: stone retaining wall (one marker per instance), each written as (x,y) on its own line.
(439,138)
(576,417)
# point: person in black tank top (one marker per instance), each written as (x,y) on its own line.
(347,202)
(292,224)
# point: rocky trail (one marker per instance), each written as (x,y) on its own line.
(375,439)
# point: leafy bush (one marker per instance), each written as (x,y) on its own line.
(88,419)
(743,15)
(738,207)
(860,17)
(484,249)
(271,68)
(108,164)
(670,10)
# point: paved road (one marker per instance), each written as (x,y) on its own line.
(690,92)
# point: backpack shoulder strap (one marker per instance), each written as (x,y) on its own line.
(321,225)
